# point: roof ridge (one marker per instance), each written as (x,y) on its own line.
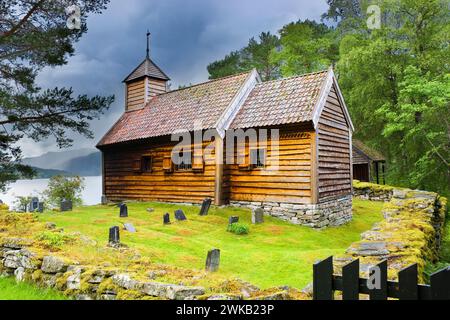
(295,76)
(208,81)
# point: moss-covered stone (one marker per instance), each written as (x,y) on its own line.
(409,234)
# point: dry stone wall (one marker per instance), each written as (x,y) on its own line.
(410,233)
(371,191)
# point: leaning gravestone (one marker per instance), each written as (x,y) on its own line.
(114,236)
(40,207)
(129,227)
(258,216)
(233,219)
(166,218)
(33,205)
(213,260)
(66,205)
(123,210)
(205,207)
(179,215)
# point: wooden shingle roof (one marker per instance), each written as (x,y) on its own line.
(147,68)
(239,101)
(371,154)
(178,110)
(288,100)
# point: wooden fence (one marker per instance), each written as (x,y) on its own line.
(351,285)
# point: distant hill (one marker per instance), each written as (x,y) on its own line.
(48,173)
(83,162)
(89,165)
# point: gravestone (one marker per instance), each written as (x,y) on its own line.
(114,235)
(66,205)
(33,205)
(129,227)
(123,210)
(205,207)
(213,260)
(179,215)
(257,216)
(166,218)
(233,219)
(104,200)
(40,207)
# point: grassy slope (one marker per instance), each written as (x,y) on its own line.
(274,253)
(10,290)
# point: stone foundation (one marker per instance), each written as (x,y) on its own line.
(331,213)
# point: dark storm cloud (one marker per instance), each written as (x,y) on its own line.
(186,37)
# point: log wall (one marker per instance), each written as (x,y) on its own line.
(123,183)
(334,151)
(289,183)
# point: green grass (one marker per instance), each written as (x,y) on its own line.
(11,290)
(272,254)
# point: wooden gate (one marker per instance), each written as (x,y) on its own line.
(351,285)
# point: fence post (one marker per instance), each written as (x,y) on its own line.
(323,279)
(380,270)
(440,284)
(350,281)
(407,283)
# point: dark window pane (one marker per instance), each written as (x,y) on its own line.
(147,164)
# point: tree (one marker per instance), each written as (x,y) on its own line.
(395,82)
(229,65)
(60,188)
(348,14)
(306,46)
(258,55)
(34,34)
(255,55)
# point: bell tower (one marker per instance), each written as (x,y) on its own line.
(146,81)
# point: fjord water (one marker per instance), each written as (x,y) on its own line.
(91,194)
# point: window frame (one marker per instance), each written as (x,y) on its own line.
(145,158)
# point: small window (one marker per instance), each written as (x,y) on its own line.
(147,163)
(185,162)
(258,157)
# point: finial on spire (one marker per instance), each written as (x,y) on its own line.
(148,44)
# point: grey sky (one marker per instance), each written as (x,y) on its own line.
(186,37)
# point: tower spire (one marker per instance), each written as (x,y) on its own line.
(148,44)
